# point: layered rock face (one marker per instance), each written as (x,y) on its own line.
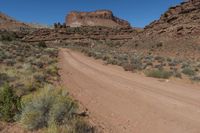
(175,33)
(10,24)
(81,34)
(182,19)
(97,18)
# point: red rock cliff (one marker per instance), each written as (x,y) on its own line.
(97,18)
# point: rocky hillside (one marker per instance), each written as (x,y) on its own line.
(96,18)
(176,33)
(70,34)
(182,19)
(8,23)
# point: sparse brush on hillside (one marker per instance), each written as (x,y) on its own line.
(7,36)
(27,92)
(152,65)
(159,74)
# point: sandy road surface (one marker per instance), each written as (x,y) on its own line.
(124,102)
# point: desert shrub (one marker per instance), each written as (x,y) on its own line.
(46,106)
(24,87)
(157,58)
(136,62)
(106,57)
(177,74)
(52,52)
(75,126)
(39,63)
(185,65)
(52,70)
(158,66)
(113,61)
(41,78)
(6,37)
(196,78)
(128,67)
(89,53)
(3,78)
(21,89)
(169,59)
(110,43)
(9,103)
(42,44)
(97,55)
(174,62)
(158,74)
(83,127)
(198,65)
(10,62)
(188,71)
(123,57)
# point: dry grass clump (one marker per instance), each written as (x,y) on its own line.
(159,74)
(46,106)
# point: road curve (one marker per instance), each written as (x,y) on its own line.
(123,102)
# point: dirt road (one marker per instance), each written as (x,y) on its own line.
(124,102)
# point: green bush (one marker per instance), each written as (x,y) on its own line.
(177,75)
(136,62)
(42,44)
(76,126)
(196,78)
(45,107)
(159,74)
(128,67)
(3,78)
(52,70)
(9,103)
(188,71)
(6,38)
(83,127)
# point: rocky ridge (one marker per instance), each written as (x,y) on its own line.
(96,18)
(81,33)
(176,33)
(10,24)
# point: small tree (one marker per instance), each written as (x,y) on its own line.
(64,25)
(9,103)
(55,25)
(59,25)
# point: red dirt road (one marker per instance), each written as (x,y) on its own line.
(123,102)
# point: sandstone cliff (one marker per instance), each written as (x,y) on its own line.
(97,18)
(8,23)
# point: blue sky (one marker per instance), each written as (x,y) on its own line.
(138,12)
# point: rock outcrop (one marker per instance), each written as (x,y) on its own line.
(97,18)
(10,24)
(81,34)
(179,20)
(175,33)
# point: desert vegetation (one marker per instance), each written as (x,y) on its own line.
(29,90)
(135,61)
